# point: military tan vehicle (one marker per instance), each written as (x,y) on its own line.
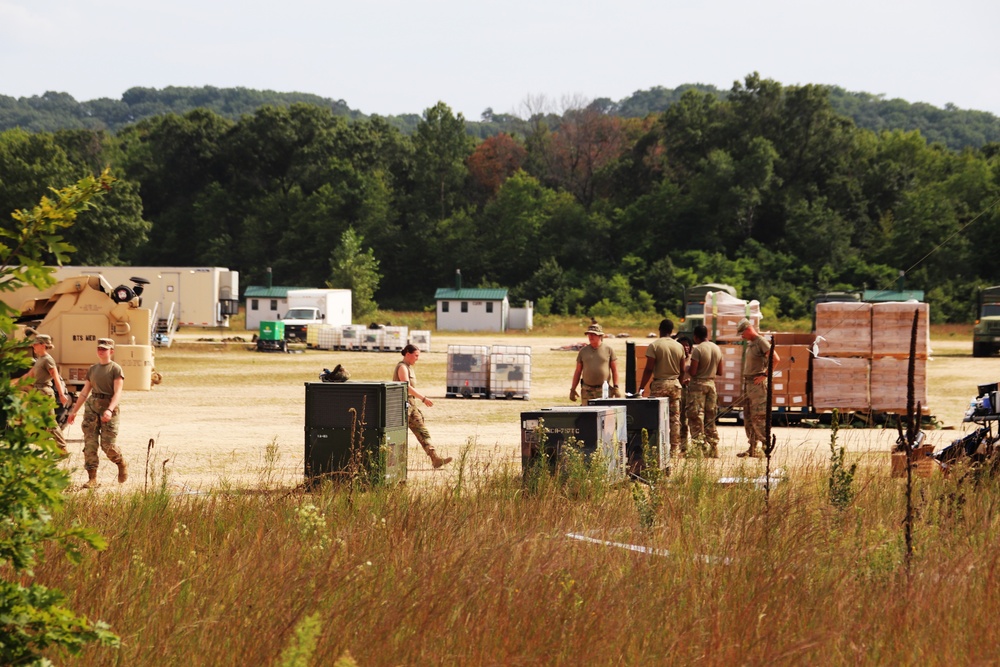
(76,312)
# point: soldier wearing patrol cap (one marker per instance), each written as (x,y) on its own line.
(101,394)
(755,381)
(46,378)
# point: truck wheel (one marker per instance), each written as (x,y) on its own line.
(981,350)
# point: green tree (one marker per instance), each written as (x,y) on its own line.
(34,619)
(355,269)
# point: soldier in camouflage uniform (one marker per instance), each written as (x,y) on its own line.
(596,364)
(46,380)
(706,364)
(415,419)
(665,365)
(101,394)
(754,387)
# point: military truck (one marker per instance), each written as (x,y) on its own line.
(986,332)
(694,305)
(77,311)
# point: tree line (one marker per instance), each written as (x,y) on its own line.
(580,210)
(955,128)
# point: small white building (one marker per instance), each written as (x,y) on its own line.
(265,304)
(472,309)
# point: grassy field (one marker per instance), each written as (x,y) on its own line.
(480,569)
(485,572)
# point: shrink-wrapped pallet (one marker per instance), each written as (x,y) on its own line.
(888,384)
(844,329)
(723,313)
(892,325)
(841,384)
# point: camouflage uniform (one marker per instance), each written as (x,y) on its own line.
(415,418)
(754,393)
(98,434)
(703,398)
(671,389)
(667,357)
(41,371)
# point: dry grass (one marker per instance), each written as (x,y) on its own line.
(484,573)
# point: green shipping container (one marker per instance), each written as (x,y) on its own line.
(272,331)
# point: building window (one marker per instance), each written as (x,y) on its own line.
(444,306)
(274,304)
(253,304)
(489,306)
(465,306)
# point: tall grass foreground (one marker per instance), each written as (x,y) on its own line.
(484,571)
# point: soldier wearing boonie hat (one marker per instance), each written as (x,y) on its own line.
(45,374)
(596,364)
(100,395)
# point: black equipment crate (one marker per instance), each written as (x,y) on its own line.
(598,428)
(652,414)
(342,415)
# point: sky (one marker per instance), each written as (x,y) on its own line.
(391,57)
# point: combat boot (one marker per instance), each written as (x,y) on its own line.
(92,482)
(437,461)
(751,452)
(122,471)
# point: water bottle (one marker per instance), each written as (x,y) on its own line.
(604,389)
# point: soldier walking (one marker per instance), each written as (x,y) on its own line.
(101,395)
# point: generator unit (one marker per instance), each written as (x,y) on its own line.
(272,337)
(355,428)
(652,414)
(597,428)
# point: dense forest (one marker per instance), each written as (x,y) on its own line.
(597,209)
(955,128)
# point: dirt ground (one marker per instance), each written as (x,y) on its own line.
(221,405)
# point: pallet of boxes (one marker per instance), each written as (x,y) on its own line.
(861,365)
(723,313)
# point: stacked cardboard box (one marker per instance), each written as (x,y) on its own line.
(730,385)
(790,383)
(892,326)
(844,329)
(840,383)
(888,385)
(723,312)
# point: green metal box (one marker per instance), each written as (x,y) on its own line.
(272,331)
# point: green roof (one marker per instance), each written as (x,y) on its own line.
(881,296)
(261,292)
(471,294)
